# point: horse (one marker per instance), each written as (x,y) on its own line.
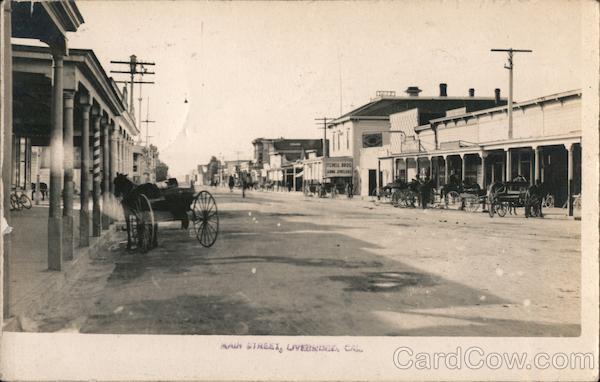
(43,190)
(178,204)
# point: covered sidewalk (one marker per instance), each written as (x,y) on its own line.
(65,124)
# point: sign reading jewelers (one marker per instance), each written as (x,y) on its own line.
(338,167)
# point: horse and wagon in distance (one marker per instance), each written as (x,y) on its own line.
(500,198)
(145,205)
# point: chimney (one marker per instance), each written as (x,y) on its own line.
(443,88)
(497,92)
(413,91)
(471,92)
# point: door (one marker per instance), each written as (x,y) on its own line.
(372,181)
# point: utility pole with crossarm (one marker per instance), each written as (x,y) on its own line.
(510,66)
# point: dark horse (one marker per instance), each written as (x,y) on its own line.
(173,199)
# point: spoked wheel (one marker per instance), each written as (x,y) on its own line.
(15,203)
(471,203)
(25,201)
(501,209)
(453,200)
(206,218)
(143,224)
(548,201)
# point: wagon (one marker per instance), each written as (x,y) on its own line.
(505,197)
(147,204)
(473,198)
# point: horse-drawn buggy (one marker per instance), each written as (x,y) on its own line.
(146,204)
(508,196)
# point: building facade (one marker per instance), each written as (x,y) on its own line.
(368,129)
(544,145)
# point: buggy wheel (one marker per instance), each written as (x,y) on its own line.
(452,200)
(15,203)
(501,209)
(471,203)
(206,218)
(548,201)
(25,201)
(396,198)
(144,224)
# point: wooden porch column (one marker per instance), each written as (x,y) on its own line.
(508,166)
(55,223)
(537,167)
(68,188)
(463,171)
(96,208)
(445,169)
(84,197)
(6,126)
(569,148)
(483,155)
(113,170)
(105,174)
(294,177)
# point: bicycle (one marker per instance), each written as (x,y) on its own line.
(19,200)
(548,201)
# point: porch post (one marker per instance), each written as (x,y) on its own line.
(96,208)
(463,160)
(113,169)
(84,196)
(483,155)
(537,167)
(68,95)
(105,174)
(569,148)
(6,126)
(406,168)
(446,169)
(508,166)
(294,177)
(55,222)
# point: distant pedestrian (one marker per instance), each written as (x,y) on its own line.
(231,183)
(349,190)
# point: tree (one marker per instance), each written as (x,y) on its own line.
(162,171)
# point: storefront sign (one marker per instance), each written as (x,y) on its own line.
(338,167)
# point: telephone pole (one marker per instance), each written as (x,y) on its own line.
(323,122)
(510,66)
(147,122)
(135,68)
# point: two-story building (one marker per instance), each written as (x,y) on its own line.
(544,144)
(368,129)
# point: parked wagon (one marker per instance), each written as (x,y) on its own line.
(507,197)
(144,205)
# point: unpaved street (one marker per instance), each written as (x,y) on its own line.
(289,265)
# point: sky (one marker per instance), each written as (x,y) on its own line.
(257,69)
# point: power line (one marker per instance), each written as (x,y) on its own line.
(136,67)
(510,67)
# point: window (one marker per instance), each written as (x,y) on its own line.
(338,141)
(348,139)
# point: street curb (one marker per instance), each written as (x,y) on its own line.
(51,282)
